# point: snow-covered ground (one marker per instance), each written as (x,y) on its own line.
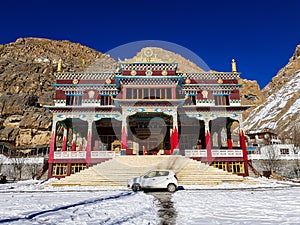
(269,202)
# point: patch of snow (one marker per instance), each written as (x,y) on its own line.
(295,108)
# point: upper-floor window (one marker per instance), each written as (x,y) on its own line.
(74,100)
(193,99)
(221,100)
(106,100)
(148,93)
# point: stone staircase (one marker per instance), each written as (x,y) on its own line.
(117,171)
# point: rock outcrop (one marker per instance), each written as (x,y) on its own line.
(250,94)
(27,69)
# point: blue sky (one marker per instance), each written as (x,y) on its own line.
(260,35)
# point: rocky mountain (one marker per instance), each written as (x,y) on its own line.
(281,109)
(159,54)
(26,78)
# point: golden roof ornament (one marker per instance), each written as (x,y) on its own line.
(233,66)
(83,64)
(59,66)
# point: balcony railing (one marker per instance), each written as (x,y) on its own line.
(82,154)
(195,153)
(70,154)
(227,153)
(104,154)
(214,152)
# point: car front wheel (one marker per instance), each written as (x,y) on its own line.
(171,188)
(136,187)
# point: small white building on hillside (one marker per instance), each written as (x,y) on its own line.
(275,151)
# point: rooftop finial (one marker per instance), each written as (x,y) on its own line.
(233,66)
(59,66)
(83,64)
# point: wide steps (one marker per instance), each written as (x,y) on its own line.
(118,171)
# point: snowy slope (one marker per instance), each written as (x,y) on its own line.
(281,109)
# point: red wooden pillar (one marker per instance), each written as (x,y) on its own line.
(207,141)
(89,142)
(124,132)
(243,145)
(52,148)
(229,140)
(174,140)
(174,133)
(64,143)
(74,141)
(171,140)
(244,149)
(124,138)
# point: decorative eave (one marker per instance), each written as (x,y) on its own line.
(213,112)
(215,88)
(80,88)
(212,86)
(148,66)
(148,80)
(226,108)
(212,75)
(76,109)
(149,102)
(84,75)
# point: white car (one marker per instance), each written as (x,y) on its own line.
(155,179)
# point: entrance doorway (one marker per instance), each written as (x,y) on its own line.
(150,132)
(108,131)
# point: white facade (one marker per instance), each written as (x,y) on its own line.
(276,151)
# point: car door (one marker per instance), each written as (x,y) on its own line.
(156,179)
(149,179)
(162,179)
